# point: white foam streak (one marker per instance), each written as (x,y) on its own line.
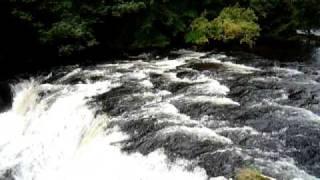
(72,73)
(306,114)
(244,129)
(201,133)
(287,71)
(238,68)
(211,99)
(212,87)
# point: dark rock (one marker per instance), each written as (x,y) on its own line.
(197,110)
(175,145)
(295,94)
(264,144)
(6,96)
(160,82)
(302,142)
(8,175)
(223,163)
(187,74)
(122,99)
(208,66)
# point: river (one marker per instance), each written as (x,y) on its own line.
(189,115)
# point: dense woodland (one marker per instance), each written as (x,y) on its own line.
(37,29)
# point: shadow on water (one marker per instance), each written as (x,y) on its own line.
(277,50)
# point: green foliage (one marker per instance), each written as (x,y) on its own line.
(125,7)
(68,25)
(163,21)
(58,24)
(72,34)
(200,31)
(71,26)
(236,23)
(307,14)
(233,23)
(278,19)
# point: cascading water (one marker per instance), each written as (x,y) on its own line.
(194,116)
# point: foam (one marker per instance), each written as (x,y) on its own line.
(212,87)
(238,68)
(285,167)
(201,133)
(287,71)
(211,99)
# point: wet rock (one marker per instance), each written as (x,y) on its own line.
(267,119)
(8,175)
(122,99)
(187,74)
(175,145)
(249,96)
(208,66)
(158,81)
(296,94)
(178,87)
(57,75)
(264,144)
(74,80)
(197,110)
(302,142)
(162,83)
(253,82)
(142,127)
(304,97)
(187,146)
(6,96)
(223,163)
(238,134)
(146,136)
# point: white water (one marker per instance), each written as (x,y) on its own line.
(52,132)
(63,139)
(315,32)
(59,137)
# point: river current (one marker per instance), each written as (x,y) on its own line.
(190,115)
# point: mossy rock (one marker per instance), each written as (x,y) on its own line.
(250,174)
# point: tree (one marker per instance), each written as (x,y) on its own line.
(69,24)
(307,14)
(233,23)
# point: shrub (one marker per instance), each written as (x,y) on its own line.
(233,23)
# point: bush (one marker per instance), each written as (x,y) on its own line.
(233,23)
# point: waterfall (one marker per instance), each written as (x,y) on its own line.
(155,119)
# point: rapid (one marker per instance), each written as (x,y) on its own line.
(188,115)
